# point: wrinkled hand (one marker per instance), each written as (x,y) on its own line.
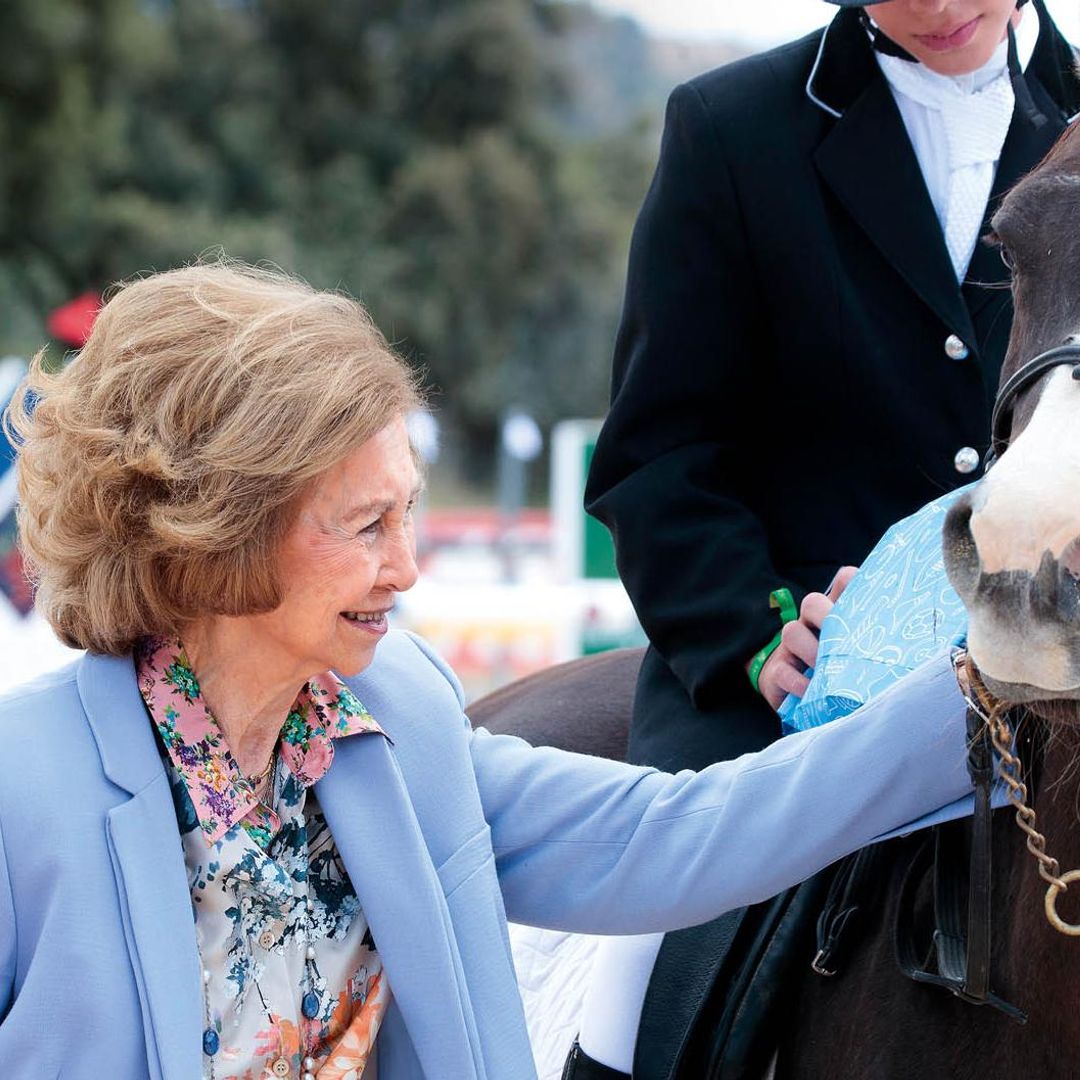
(797,651)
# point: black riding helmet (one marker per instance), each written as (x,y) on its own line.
(886,45)
(867,3)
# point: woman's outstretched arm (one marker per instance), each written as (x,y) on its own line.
(590,845)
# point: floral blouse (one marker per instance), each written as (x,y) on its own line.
(293,984)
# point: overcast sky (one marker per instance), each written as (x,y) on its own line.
(767,22)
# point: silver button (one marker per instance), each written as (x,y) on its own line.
(955,349)
(966,460)
(267,939)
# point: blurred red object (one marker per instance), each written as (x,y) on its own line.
(72,322)
(482,524)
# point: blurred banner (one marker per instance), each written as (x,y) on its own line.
(503,595)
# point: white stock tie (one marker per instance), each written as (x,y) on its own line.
(975,123)
(975,132)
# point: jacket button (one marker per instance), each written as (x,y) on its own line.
(955,349)
(966,460)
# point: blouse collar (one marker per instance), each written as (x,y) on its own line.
(325,709)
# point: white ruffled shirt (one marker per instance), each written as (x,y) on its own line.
(957,125)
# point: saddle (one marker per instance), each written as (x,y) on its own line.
(718,992)
(715,989)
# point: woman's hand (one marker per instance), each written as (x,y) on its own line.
(797,651)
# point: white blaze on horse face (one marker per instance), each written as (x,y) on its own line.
(1026,506)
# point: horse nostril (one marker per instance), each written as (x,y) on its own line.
(1054,591)
(1068,605)
(1070,558)
(1044,586)
(958,544)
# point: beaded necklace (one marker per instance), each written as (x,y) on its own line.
(311,999)
(211,1039)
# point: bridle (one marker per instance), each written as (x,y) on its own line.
(958,855)
(1020,380)
(962,939)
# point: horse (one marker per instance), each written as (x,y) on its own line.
(1012,552)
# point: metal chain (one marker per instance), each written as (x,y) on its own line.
(259,782)
(1009,769)
(995,716)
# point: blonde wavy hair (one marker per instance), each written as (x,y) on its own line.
(160,470)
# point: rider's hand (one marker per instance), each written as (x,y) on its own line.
(782,673)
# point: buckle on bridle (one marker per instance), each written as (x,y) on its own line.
(818,964)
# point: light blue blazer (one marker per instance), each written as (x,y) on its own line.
(445,833)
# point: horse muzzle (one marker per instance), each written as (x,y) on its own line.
(1024,621)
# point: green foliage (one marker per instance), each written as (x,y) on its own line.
(414,152)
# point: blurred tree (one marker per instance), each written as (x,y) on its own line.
(414,152)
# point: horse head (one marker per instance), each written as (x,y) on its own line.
(1012,543)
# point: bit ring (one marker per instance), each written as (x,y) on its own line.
(1056,921)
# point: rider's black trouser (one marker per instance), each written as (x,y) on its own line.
(579,1066)
(668,732)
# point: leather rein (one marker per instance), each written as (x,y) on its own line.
(963,959)
(1020,380)
(959,952)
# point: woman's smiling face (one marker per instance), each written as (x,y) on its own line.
(951,37)
(350,551)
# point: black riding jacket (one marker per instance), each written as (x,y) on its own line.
(797,366)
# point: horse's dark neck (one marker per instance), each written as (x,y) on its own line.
(870,1023)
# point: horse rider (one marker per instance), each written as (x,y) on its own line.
(809,349)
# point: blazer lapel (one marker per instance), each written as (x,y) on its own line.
(868,162)
(368,809)
(148,862)
(159,928)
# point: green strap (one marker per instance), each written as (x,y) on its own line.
(779,600)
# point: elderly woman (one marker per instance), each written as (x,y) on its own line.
(250,833)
